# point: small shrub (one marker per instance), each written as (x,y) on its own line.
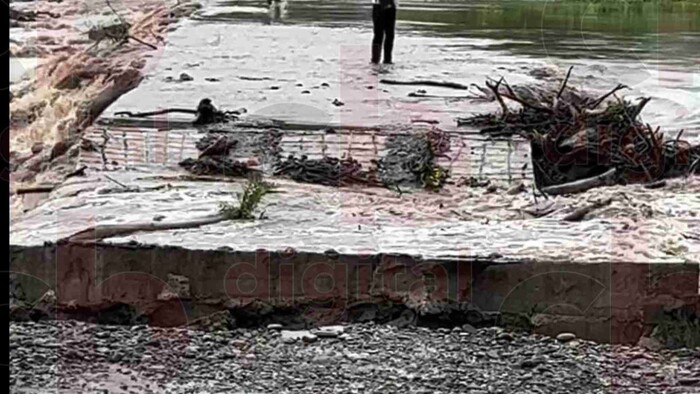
(247,201)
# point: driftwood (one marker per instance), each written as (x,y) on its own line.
(516,189)
(607,178)
(117,182)
(446,97)
(451,85)
(156,113)
(656,185)
(540,211)
(579,213)
(35,189)
(100,232)
(79,172)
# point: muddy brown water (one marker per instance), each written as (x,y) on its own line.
(291,60)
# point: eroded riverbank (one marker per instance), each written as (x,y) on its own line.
(79,70)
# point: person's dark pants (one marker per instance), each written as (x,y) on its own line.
(384,24)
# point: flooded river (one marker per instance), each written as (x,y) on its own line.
(291,60)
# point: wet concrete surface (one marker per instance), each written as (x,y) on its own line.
(459,222)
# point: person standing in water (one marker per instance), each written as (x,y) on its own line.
(384,21)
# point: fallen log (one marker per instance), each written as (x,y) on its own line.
(605,179)
(156,113)
(100,232)
(79,172)
(35,189)
(656,185)
(441,84)
(579,213)
(446,97)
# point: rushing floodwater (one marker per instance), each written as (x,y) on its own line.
(291,60)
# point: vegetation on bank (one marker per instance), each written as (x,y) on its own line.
(248,201)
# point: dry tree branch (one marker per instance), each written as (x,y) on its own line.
(513,96)
(604,97)
(563,84)
(494,89)
(100,232)
(442,84)
(116,13)
(154,113)
(581,212)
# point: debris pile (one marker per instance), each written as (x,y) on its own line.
(234,154)
(411,160)
(579,141)
(328,171)
(216,144)
(216,165)
(214,158)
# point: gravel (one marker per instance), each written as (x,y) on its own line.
(79,357)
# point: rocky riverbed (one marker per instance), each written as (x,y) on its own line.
(79,357)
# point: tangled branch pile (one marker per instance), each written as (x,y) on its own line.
(410,161)
(578,138)
(329,171)
(214,158)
